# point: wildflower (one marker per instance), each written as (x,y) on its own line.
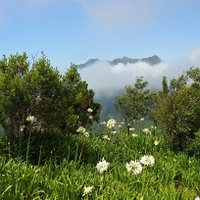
(147,160)
(142,119)
(90,117)
(197,198)
(119,126)
(22,127)
(102,166)
(122,123)
(111,123)
(114,132)
(153,127)
(134,166)
(131,129)
(103,123)
(87,190)
(81,129)
(106,137)
(31,119)
(134,135)
(90,110)
(86,134)
(156,142)
(146,130)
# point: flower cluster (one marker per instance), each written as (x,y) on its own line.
(90,110)
(136,167)
(31,119)
(147,160)
(86,134)
(146,130)
(81,129)
(134,135)
(156,142)
(111,123)
(22,127)
(87,190)
(106,137)
(102,166)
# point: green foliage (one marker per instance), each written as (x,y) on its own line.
(173,176)
(137,102)
(178,110)
(58,102)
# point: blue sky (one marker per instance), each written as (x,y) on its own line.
(73,31)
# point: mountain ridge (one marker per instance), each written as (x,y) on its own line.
(152,60)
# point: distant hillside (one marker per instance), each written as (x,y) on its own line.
(153,60)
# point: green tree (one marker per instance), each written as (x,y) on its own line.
(137,102)
(79,100)
(39,89)
(178,111)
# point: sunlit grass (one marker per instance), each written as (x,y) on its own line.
(66,168)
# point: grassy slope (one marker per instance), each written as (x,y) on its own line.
(71,165)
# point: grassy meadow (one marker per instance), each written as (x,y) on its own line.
(96,166)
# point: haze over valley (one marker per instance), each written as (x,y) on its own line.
(110,77)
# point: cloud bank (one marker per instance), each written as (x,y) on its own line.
(105,78)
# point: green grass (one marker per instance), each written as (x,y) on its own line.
(59,167)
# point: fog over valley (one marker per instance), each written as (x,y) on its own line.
(107,78)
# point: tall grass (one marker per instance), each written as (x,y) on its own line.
(59,167)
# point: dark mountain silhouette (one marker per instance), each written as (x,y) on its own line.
(88,63)
(153,60)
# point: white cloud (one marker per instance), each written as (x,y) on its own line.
(102,76)
(107,78)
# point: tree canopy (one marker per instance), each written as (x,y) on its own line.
(57,101)
(178,109)
(136,102)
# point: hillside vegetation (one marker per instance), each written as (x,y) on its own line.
(49,149)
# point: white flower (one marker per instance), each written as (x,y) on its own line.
(30,118)
(90,117)
(197,198)
(134,135)
(147,160)
(106,137)
(114,132)
(142,119)
(86,134)
(131,129)
(156,142)
(90,110)
(146,130)
(87,190)
(81,129)
(153,127)
(103,123)
(111,123)
(134,166)
(102,166)
(22,127)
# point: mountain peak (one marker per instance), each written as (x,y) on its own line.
(88,63)
(152,60)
